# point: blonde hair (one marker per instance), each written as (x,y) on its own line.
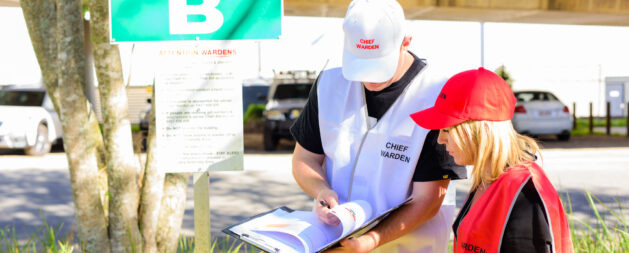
(492,146)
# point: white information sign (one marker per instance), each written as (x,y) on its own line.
(198,93)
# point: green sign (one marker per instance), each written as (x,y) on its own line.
(175,20)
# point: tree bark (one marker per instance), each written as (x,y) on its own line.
(94,124)
(80,141)
(122,167)
(56,32)
(171,212)
(152,188)
(41,22)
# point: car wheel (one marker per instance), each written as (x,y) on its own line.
(269,140)
(42,144)
(564,136)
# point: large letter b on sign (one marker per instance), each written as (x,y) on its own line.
(194,19)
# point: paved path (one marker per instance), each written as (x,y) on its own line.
(31,186)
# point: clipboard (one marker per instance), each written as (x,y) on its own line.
(247,239)
(267,247)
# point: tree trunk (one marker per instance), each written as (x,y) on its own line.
(57,36)
(171,212)
(122,168)
(94,124)
(152,188)
(41,21)
(80,141)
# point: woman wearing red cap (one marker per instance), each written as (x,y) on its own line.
(512,206)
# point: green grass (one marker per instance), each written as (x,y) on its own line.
(601,122)
(47,239)
(582,132)
(607,233)
(135,128)
(222,245)
(44,240)
(583,126)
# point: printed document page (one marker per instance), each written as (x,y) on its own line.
(301,231)
(352,215)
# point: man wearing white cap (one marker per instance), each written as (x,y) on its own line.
(356,141)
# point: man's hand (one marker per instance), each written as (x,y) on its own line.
(311,177)
(327,199)
(364,243)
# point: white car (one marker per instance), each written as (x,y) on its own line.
(28,120)
(541,113)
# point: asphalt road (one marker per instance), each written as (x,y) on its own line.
(34,186)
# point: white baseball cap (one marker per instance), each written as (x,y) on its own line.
(374,31)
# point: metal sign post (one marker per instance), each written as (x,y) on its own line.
(202,212)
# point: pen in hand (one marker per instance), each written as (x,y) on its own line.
(324,204)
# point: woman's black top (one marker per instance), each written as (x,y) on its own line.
(527,228)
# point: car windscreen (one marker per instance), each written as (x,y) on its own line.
(535,96)
(255,94)
(288,91)
(21,98)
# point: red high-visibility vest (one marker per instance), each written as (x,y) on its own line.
(482,228)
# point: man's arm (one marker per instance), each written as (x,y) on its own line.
(427,199)
(311,177)
(308,171)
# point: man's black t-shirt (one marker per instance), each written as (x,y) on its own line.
(434,161)
(527,227)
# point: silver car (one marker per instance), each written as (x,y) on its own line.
(541,113)
(28,120)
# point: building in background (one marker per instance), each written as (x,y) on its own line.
(617,94)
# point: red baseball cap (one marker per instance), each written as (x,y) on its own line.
(476,94)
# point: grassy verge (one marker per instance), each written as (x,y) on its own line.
(47,239)
(583,124)
(607,233)
(44,240)
(601,122)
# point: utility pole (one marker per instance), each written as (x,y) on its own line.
(259,59)
(601,87)
(482,44)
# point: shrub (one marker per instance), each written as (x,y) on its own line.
(255,111)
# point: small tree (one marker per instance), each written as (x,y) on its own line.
(118,206)
(502,72)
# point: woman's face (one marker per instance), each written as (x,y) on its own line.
(446,138)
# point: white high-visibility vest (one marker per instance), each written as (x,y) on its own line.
(373,162)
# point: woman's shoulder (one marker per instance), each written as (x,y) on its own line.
(523,169)
(519,172)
